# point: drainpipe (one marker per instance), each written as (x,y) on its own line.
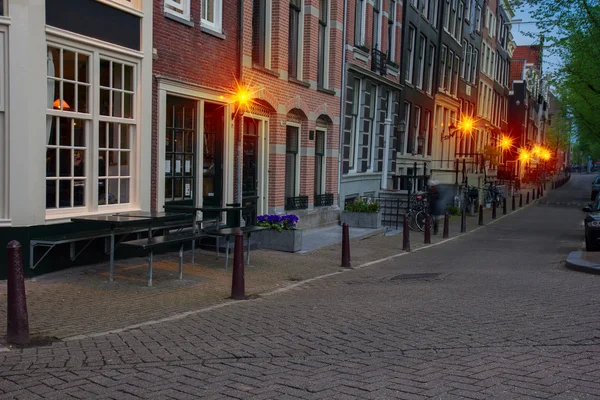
(342,101)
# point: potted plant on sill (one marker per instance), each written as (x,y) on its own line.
(282,235)
(362,214)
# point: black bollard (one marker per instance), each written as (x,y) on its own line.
(504,206)
(345,245)
(17,329)
(463,221)
(428,229)
(542,190)
(446,225)
(520,200)
(527,199)
(533,196)
(481,214)
(493,209)
(513,203)
(405,237)
(238,290)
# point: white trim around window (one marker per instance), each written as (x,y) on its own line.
(212,15)
(298,157)
(178,8)
(324,158)
(104,91)
(131,6)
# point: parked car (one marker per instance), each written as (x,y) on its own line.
(595,188)
(591,225)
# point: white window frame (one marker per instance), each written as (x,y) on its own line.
(417,119)
(217,24)
(94,118)
(431,69)
(326,44)
(180,9)
(443,60)
(268,23)
(392,35)
(478,19)
(407,112)
(353,156)
(362,22)
(299,63)
(298,157)
(425,11)
(422,54)
(456,74)
(474,60)
(436,7)
(464,59)
(126,5)
(446,16)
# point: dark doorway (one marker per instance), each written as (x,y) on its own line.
(214,132)
(180,154)
(250,171)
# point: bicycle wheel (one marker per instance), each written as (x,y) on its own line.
(421,219)
(412,221)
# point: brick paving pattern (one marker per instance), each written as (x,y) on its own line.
(501,318)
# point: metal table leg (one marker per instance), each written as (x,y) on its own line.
(112,253)
(181,261)
(150,269)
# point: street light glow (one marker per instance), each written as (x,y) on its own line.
(524,155)
(506,142)
(466,124)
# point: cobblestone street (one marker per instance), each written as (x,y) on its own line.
(491,314)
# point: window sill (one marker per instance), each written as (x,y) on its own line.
(131,10)
(327,91)
(360,55)
(57,217)
(298,82)
(267,71)
(212,32)
(179,19)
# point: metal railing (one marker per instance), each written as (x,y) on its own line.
(322,200)
(378,62)
(296,203)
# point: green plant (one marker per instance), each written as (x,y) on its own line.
(362,206)
(452,210)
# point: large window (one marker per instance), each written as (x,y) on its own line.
(71,149)
(320,161)
(375,38)
(421,72)
(459,24)
(426,130)
(359,22)
(323,61)
(468,55)
(464,59)
(478,19)
(260,34)
(456,70)
(410,53)
(292,161)
(178,8)
(417,120)
(392,31)
(434,12)
(212,11)
(294,39)
(430,68)
(442,82)
(474,58)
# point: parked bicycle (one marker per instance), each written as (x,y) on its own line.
(417,214)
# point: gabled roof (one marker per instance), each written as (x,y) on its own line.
(531,54)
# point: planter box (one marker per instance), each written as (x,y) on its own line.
(362,220)
(290,240)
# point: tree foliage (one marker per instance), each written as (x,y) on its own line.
(571,32)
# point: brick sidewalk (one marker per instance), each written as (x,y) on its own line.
(81,301)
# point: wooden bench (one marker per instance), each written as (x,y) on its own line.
(158,241)
(229,232)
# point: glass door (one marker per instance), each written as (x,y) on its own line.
(250,171)
(214,133)
(180,154)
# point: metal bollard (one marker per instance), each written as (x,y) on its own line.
(463,221)
(553,187)
(17,327)
(481,214)
(527,199)
(345,245)
(446,225)
(493,209)
(428,229)
(405,237)
(542,190)
(504,206)
(513,203)
(520,200)
(238,290)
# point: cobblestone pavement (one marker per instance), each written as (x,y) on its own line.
(491,314)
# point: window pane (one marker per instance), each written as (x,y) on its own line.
(65,131)
(82,68)
(64,195)
(82,99)
(68,103)
(128,105)
(68,65)
(117,78)
(189,142)
(53,63)
(178,188)
(79,193)
(113,136)
(51,194)
(113,165)
(128,78)
(79,133)
(113,191)
(104,102)
(179,141)
(105,73)
(290,175)
(124,163)
(168,189)
(124,136)
(102,200)
(54,89)
(117,103)
(102,163)
(79,163)
(51,162)
(64,162)
(51,126)
(124,191)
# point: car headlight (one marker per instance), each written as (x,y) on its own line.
(594,224)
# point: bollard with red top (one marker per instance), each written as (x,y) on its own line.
(428,229)
(446,225)
(503,205)
(345,245)
(17,329)
(238,289)
(493,209)
(527,199)
(405,237)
